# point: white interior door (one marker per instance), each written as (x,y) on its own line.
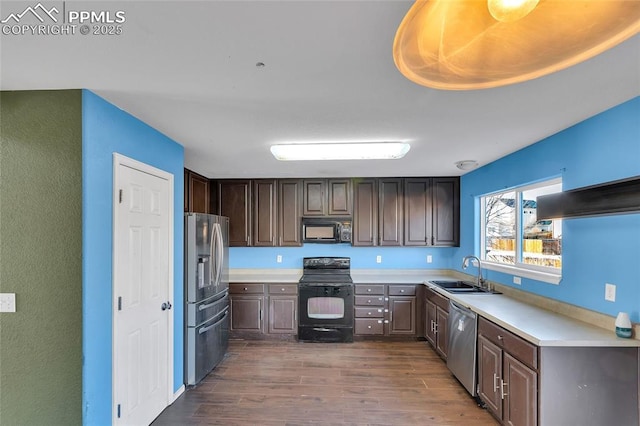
(142,317)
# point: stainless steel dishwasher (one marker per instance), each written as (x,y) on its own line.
(461,359)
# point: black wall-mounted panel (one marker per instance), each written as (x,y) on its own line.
(617,197)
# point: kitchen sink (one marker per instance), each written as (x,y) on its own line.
(457,286)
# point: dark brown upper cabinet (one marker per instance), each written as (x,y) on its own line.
(390,216)
(289,212)
(234,201)
(445,195)
(340,194)
(431,211)
(327,197)
(265,213)
(197,192)
(365,212)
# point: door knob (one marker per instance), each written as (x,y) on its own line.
(163,306)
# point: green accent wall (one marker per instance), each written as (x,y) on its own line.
(41,257)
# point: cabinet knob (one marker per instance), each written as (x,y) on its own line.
(369,326)
(401,291)
(369,290)
(369,301)
(500,337)
(282,289)
(245,289)
(368,313)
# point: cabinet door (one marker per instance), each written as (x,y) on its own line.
(431,323)
(289,212)
(246,313)
(390,212)
(198,193)
(417,212)
(264,213)
(365,213)
(442,336)
(283,315)
(314,197)
(234,199)
(339,197)
(521,393)
(489,375)
(402,315)
(446,212)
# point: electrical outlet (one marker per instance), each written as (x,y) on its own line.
(378,259)
(7,302)
(610,292)
(517,280)
(429,258)
(279,258)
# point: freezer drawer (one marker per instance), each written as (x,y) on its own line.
(206,346)
(198,313)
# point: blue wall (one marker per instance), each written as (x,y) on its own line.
(361,257)
(596,250)
(105,130)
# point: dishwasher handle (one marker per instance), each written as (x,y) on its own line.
(462,310)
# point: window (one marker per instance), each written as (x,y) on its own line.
(514,240)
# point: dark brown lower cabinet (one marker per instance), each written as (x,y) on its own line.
(508,387)
(262,311)
(437,316)
(385,310)
(283,309)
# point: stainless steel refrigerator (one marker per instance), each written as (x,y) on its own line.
(206,277)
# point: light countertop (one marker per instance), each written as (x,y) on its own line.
(536,325)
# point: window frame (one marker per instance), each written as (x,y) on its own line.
(540,273)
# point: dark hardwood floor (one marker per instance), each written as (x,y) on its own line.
(362,383)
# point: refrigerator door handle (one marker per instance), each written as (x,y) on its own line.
(212,251)
(220,252)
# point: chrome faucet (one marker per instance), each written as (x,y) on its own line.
(465,263)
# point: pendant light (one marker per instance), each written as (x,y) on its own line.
(479,44)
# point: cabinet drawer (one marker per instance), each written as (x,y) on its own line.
(367,312)
(524,351)
(368,326)
(246,288)
(369,289)
(402,290)
(369,300)
(283,288)
(438,299)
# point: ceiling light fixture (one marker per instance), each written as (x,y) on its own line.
(340,151)
(462,45)
(467,164)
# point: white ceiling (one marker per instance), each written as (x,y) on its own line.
(189,70)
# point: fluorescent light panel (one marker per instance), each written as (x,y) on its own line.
(340,151)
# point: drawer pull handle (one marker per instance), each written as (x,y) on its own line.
(369,327)
(401,291)
(369,290)
(500,337)
(379,321)
(368,313)
(282,289)
(369,301)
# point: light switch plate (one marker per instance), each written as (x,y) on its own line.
(517,280)
(279,258)
(429,258)
(7,302)
(610,292)
(378,259)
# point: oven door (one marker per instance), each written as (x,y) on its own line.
(326,305)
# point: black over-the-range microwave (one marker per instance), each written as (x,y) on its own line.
(326,230)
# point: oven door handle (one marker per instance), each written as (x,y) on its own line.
(323,329)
